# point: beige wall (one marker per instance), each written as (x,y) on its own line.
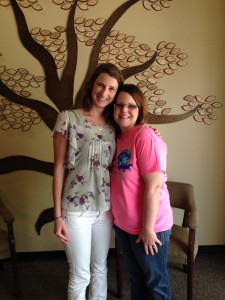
(196,151)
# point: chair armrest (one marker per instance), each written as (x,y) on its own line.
(192,220)
(6,215)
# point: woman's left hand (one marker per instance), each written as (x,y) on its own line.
(156,131)
(150,241)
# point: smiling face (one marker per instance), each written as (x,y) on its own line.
(126,111)
(104,90)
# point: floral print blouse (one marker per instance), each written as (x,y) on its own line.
(89,157)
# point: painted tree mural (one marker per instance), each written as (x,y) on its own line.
(57,52)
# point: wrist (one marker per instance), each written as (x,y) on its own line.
(148,229)
(57,218)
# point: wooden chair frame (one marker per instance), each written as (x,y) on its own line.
(8,218)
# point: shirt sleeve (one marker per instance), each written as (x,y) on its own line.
(151,152)
(62,123)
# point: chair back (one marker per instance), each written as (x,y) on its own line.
(182,196)
(6,214)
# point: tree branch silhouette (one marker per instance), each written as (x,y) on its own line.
(68,75)
(41,54)
(115,16)
(18,163)
(162,119)
(98,44)
(139,68)
(48,113)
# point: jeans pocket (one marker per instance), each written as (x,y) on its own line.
(164,236)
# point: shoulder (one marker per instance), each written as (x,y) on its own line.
(73,115)
(73,112)
(63,115)
(66,117)
(143,132)
(146,133)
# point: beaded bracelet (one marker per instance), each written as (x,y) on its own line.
(57,217)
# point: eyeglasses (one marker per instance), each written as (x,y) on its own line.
(130,107)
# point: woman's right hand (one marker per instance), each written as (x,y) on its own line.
(60,230)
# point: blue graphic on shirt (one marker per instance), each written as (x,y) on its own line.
(123,159)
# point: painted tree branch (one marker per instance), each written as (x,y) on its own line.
(40,53)
(163,119)
(68,75)
(18,163)
(105,32)
(137,69)
(98,44)
(48,113)
(46,216)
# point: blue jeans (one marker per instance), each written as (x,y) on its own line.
(148,273)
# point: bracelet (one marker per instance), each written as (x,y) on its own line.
(57,217)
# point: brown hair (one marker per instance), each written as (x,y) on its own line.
(136,93)
(113,71)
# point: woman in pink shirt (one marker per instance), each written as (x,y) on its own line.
(140,199)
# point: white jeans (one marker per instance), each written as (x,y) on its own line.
(89,234)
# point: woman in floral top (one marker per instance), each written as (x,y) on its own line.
(84,145)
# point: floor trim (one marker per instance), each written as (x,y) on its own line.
(211,250)
(60,254)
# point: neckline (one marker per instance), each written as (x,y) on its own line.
(95,125)
(128,132)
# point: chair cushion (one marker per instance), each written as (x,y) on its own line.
(4,244)
(177,251)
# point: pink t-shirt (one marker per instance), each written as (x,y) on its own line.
(139,151)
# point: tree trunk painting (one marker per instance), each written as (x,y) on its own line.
(59,51)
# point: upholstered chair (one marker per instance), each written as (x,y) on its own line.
(183,245)
(7,246)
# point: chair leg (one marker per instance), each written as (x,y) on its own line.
(190,274)
(190,282)
(14,262)
(190,265)
(119,271)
